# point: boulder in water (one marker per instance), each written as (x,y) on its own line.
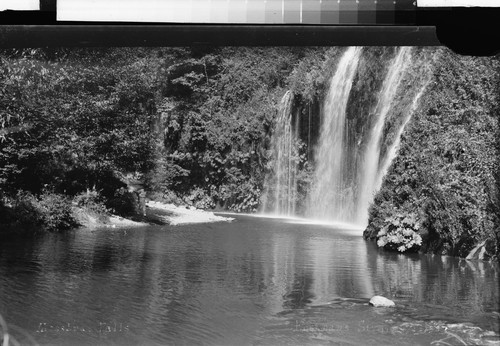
(379,301)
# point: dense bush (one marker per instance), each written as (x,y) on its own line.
(55,212)
(49,211)
(124,203)
(92,202)
(400,233)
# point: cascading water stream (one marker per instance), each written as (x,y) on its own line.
(329,194)
(369,166)
(282,188)
(423,82)
(393,149)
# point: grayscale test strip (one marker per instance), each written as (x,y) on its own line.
(350,12)
(309,12)
(323,12)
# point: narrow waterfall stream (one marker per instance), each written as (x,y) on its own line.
(369,166)
(282,186)
(392,150)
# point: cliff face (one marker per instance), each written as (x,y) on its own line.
(444,182)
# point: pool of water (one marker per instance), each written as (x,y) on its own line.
(249,282)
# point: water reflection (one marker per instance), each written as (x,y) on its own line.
(224,283)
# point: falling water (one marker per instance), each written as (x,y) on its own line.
(329,194)
(369,166)
(346,177)
(425,74)
(393,149)
(283,185)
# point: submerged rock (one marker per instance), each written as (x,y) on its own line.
(378,301)
(483,251)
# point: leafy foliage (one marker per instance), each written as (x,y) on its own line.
(50,212)
(92,201)
(73,119)
(217,110)
(400,233)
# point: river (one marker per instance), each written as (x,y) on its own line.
(253,281)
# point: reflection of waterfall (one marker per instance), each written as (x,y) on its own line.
(330,195)
(332,281)
(369,167)
(325,283)
(281,192)
(279,276)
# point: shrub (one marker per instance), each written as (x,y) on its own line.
(25,210)
(123,203)
(400,233)
(92,202)
(166,196)
(56,213)
(49,211)
(245,197)
(199,199)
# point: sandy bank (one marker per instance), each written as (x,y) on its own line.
(91,220)
(118,221)
(175,215)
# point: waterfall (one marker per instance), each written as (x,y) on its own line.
(346,178)
(346,175)
(281,194)
(369,166)
(329,196)
(392,151)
